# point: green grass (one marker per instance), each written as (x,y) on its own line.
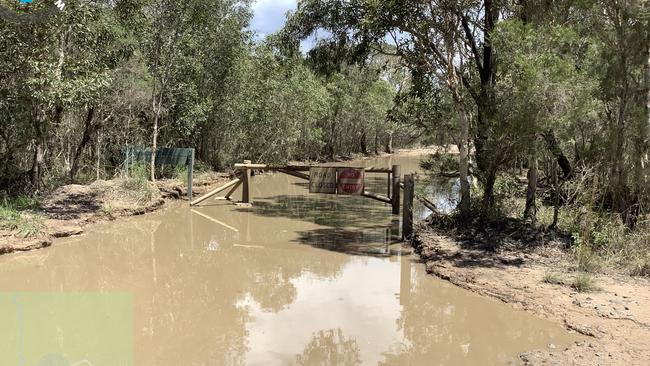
(15,217)
(181,174)
(139,171)
(136,186)
(586,258)
(584,282)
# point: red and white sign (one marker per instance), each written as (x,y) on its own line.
(351,181)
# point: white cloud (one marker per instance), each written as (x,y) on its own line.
(270,15)
(274,3)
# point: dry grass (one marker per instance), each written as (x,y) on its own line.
(610,246)
(126,192)
(584,282)
(553,278)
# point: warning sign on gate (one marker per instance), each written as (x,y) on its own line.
(322,180)
(350,181)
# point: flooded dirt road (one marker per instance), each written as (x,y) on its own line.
(297,279)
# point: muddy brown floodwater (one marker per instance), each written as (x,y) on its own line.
(297,279)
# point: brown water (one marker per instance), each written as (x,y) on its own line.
(297,279)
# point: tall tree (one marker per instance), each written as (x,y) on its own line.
(445,39)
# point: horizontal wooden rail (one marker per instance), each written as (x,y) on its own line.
(251,166)
(294,173)
(377,197)
(245,168)
(300,168)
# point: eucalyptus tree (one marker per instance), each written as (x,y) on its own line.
(447,40)
(64,61)
(273,109)
(542,94)
(623,34)
(182,41)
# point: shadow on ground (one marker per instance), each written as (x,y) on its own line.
(71,206)
(332,211)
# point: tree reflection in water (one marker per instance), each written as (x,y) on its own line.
(330,348)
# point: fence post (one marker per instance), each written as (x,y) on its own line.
(390,184)
(396,189)
(407,220)
(246,177)
(190,176)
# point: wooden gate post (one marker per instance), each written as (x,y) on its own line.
(390,184)
(396,189)
(246,177)
(407,219)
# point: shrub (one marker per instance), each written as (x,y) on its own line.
(584,282)
(587,260)
(139,171)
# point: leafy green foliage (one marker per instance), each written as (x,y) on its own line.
(522,84)
(80,86)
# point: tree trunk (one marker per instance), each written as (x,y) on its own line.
(488,191)
(364,144)
(98,154)
(377,143)
(389,143)
(556,196)
(486,161)
(87,134)
(618,170)
(332,138)
(463,166)
(40,142)
(555,149)
(642,172)
(530,212)
(39,152)
(154,147)
(41,120)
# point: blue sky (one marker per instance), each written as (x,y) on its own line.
(270,15)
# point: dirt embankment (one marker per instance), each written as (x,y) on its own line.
(614,317)
(70,209)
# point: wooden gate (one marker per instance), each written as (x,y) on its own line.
(320,181)
(320,178)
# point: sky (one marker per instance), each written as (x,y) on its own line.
(269,15)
